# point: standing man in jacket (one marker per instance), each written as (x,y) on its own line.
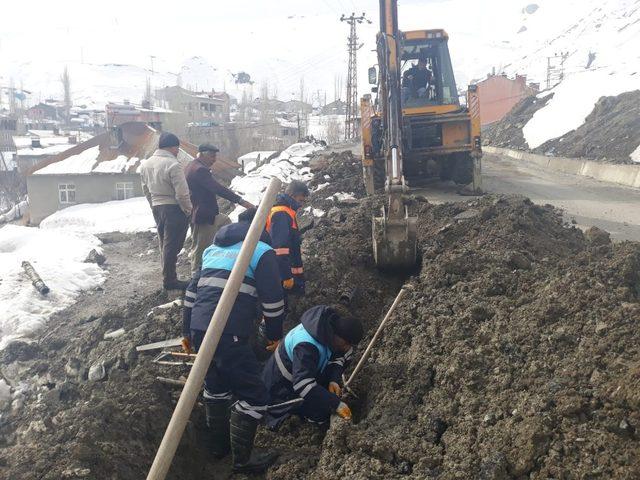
(235,371)
(309,363)
(165,186)
(282,225)
(206,219)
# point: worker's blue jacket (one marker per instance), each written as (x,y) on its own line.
(303,365)
(282,225)
(261,287)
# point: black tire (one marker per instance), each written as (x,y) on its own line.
(463,170)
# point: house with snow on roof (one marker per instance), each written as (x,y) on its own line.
(101,169)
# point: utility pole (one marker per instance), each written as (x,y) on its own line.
(555,73)
(352,75)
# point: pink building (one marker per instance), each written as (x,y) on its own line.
(499,93)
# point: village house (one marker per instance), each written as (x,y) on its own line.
(498,94)
(101,169)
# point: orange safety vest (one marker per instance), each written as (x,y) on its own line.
(282,208)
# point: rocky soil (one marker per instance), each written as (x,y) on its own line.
(609,133)
(515,356)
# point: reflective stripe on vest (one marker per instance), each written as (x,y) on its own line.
(300,335)
(297,270)
(282,208)
(224,258)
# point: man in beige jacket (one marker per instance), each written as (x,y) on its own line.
(165,186)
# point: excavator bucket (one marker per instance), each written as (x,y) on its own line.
(394,241)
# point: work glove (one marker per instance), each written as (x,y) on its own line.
(344,411)
(186,345)
(288,284)
(272,345)
(335,389)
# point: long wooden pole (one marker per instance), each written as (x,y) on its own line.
(365,355)
(181,414)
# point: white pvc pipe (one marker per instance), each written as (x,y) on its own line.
(182,412)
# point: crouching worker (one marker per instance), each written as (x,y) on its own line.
(308,365)
(235,371)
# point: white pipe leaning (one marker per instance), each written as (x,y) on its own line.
(365,355)
(182,412)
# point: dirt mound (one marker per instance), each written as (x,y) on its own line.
(609,133)
(516,356)
(507,133)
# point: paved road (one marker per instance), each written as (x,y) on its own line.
(586,201)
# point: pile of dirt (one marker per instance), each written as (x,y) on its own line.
(515,356)
(507,133)
(609,133)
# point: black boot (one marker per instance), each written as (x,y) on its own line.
(217,413)
(243,432)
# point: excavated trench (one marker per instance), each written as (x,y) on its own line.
(516,355)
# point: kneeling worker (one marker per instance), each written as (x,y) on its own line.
(235,371)
(309,363)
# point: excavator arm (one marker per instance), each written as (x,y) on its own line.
(394,232)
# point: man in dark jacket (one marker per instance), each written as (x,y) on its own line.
(416,80)
(235,370)
(282,225)
(309,363)
(206,219)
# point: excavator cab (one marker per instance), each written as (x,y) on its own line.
(426,70)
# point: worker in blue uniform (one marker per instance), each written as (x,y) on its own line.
(309,363)
(234,372)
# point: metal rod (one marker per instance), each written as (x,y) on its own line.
(182,412)
(365,355)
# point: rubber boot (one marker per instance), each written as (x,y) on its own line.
(217,413)
(245,458)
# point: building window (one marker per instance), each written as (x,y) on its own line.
(67,192)
(124,190)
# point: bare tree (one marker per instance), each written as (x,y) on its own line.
(12,96)
(334,129)
(66,86)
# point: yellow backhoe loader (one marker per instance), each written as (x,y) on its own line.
(416,129)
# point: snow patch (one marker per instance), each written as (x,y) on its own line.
(126,216)
(288,166)
(635,155)
(58,257)
(316,212)
(121,164)
(83,162)
(342,197)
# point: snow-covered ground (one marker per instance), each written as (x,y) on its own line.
(289,165)
(58,258)
(127,216)
(57,250)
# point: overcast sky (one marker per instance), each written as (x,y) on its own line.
(275,41)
